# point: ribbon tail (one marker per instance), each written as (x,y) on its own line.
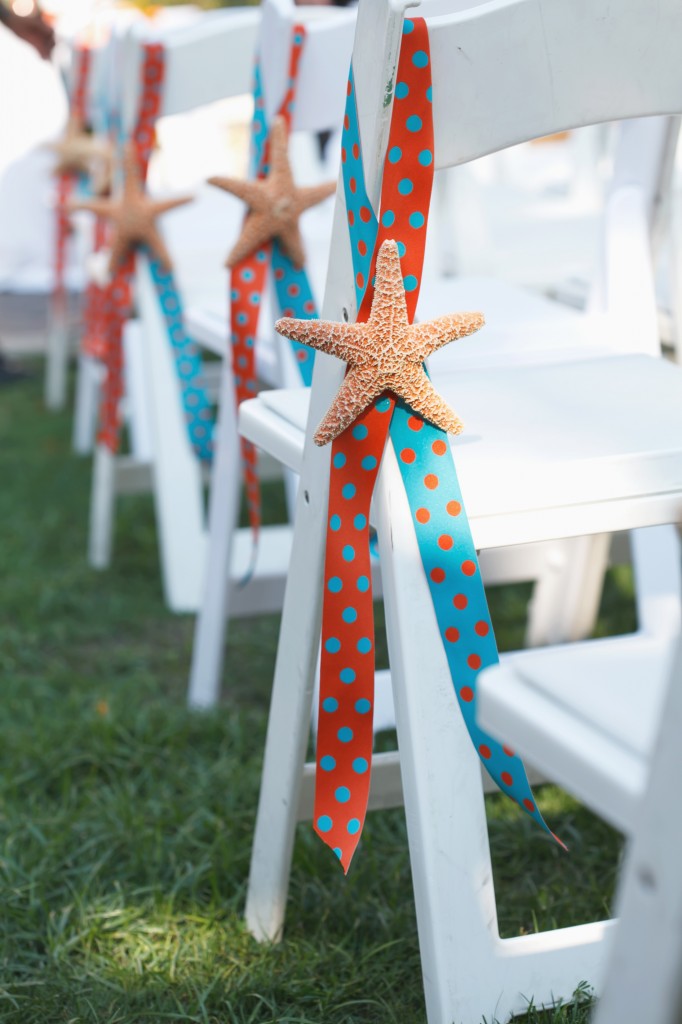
(188,363)
(454,577)
(345,735)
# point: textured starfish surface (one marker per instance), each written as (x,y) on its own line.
(134,215)
(79,152)
(385,353)
(275,203)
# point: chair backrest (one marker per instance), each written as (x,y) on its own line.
(504,72)
(320,94)
(515,70)
(209,57)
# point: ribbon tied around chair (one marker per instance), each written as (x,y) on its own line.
(387,392)
(270,238)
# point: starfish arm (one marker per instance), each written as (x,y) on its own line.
(100,207)
(157,247)
(428,337)
(248,191)
(255,232)
(358,391)
(161,206)
(314,194)
(388,305)
(344,341)
(291,242)
(415,388)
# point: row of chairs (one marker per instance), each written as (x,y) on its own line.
(557,462)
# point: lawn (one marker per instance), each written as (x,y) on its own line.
(126,822)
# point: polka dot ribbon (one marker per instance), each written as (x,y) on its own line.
(117,298)
(248,280)
(345,732)
(66,183)
(111,310)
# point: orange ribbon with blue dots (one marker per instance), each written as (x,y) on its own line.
(117,299)
(248,279)
(345,730)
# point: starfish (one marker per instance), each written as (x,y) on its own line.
(134,215)
(80,152)
(385,353)
(275,203)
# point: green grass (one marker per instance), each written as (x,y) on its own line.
(126,823)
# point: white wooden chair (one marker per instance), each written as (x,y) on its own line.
(522,327)
(60,333)
(221,44)
(643,974)
(603,719)
(581,445)
(319,106)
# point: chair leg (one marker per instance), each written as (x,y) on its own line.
(566,597)
(289,719)
(644,982)
(102,502)
(87,401)
(658,579)
(211,624)
(57,361)
(469,972)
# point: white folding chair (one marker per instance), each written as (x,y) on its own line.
(319,106)
(60,333)
(604,721)
(221,45)
(643,978)
(553,453)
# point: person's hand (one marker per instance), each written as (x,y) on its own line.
(33,29)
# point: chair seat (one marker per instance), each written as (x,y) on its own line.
(208,328)
(522,326)
(585,714)
(525,477)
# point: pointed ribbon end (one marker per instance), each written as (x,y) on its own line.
(349,844)
(559,842)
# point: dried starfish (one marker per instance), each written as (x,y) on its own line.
(275,203)
(79,152)
(134,215)
(385,353)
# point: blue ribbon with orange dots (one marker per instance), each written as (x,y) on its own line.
(117,298)
(248,280)
(345,733)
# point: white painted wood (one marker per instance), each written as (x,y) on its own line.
(178,493)
(209,638)
(221,43)
(643,980)
(102,500)
(57,358)
(140,426)
(586,714)
(324,62)
(89,378)
(536,88)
